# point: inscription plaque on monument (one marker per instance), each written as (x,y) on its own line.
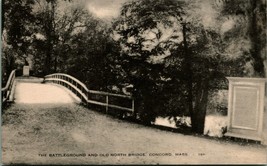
(245,104)
(246,107)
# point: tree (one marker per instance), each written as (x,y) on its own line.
(46,24)
(250,17)
(166,48)
(89,54)
(17,22)
(141,30)
(11,14)
(72,41)
(53,29)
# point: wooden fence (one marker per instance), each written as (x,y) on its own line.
(85,94)
(7,90)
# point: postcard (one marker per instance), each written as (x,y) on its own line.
(97,82)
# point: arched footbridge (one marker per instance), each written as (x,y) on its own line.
(86,96)
(45,124)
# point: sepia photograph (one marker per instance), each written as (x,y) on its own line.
(123,82)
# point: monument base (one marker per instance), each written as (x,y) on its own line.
(249,137)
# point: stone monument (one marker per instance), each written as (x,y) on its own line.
(26,71)
(246,108)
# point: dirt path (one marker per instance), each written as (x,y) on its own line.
(42,133)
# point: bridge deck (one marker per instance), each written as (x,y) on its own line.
(31,128)
(35,92)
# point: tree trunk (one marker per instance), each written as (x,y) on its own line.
(256,37)
(3,16)
(199,113)
(10,64)
(189,72)
(55,64)
(47,67)
(50,29)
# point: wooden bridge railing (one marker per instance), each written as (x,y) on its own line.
(85,94)
(7,90)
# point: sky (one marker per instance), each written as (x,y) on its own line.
(108,9)
(104,9)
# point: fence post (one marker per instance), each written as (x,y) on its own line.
(133,105)
(133,111)
(87,94)
(106,103)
